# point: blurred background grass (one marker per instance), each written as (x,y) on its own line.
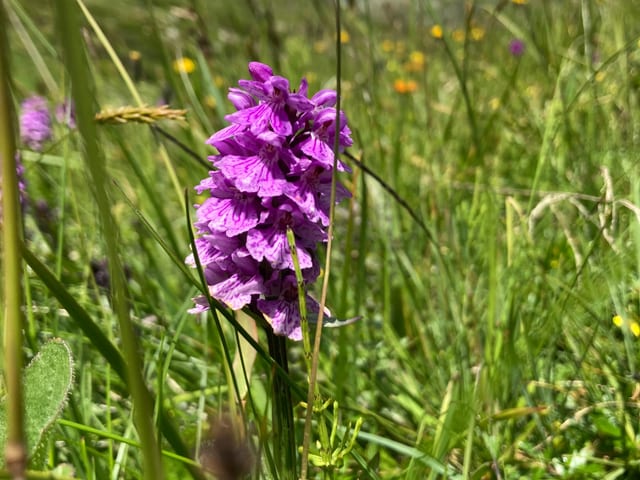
(489,352)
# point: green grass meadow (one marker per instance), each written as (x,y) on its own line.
(491,246)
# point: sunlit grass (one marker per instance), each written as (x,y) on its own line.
(505,346)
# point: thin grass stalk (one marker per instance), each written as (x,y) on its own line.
(313,375)
(15,449)
(76,64)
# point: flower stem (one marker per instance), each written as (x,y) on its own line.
(15,449)
(284,436)
(313,374)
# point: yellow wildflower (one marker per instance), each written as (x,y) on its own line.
(320,46)
(135,55)
(416,62)
(416,57)
(388,46)
(477,33)
(633,325)
(344,36)
(617,320)
(458,35)
(520,2)
(436,31)
(184,65)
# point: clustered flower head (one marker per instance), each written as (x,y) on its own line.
(35,123)
(273,172)
(516,47)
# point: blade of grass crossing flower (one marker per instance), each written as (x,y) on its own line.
(75,61)
(302,303)
(218,306)
(213,303)
(213,308)
(15,448)
(283,425)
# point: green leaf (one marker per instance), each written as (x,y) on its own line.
(47,382)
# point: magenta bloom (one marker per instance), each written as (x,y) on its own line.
(516,47)
(273,172)
(35,123)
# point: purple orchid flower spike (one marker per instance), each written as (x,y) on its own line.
(273,172)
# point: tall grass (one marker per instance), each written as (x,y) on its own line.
(487,346)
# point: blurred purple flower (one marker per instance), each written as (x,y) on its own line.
(516,47)
(272,173)
(35,123)
(66,114)
(22,186)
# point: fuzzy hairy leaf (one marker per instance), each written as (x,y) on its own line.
(47,382)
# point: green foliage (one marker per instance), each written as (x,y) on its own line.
(487,349)
(48,380)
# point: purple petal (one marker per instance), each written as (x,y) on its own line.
(260,72)
(325,98)
(240,99)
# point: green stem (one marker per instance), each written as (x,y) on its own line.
(15,449)
(284,437)
(75,59)
(313,374)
